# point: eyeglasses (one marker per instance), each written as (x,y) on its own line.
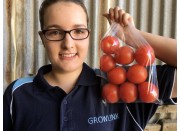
(58,35)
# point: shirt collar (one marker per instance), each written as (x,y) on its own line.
(86,78)
(39,80)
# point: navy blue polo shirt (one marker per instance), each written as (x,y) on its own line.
(37,106)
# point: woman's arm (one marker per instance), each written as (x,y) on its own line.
(165,48)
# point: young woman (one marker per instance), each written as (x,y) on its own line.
(66,94)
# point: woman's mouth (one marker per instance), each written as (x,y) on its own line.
(68,55)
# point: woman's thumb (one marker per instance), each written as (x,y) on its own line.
(107,17)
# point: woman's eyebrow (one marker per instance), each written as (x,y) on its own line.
(53,26)
(79,25)
(59,27)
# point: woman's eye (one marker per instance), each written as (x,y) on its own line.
(79,31)
(55,32)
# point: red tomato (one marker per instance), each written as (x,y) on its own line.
(110,93)
(137,74)
(148,92)
(144,55)
(107,63)
(117,75)
(110,44)
(124,55)
(128,92)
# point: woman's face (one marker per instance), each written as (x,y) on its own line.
(66,55)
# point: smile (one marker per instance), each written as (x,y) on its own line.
(68,55)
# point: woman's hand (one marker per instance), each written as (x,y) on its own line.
(120,16)
(124,19)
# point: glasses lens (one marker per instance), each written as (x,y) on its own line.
(79,34)
(54,34)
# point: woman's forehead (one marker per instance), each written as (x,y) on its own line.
(65,12)
(65,8)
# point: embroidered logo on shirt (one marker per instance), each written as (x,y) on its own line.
(102,119)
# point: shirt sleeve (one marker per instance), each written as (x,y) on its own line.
(166,79)
(7,97)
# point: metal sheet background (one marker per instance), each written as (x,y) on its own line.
(24,53)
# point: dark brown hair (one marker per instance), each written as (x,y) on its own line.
(46,3)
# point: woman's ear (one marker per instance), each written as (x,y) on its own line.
(41,36)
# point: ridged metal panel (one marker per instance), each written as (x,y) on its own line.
(23,49)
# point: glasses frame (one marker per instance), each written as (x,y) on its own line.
(65,31)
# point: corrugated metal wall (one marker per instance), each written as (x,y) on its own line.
(24,52)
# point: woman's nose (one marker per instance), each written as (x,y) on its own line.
(67,42)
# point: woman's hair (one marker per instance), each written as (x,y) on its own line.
(46,3)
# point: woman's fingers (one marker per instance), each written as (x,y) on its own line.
(116,14)
(119,15)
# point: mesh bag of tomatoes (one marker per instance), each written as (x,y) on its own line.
(130,66)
